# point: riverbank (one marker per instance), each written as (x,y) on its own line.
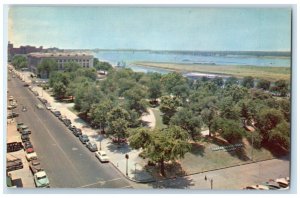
(259,72)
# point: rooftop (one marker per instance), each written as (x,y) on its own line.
(61,54)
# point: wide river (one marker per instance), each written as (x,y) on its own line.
(127,58)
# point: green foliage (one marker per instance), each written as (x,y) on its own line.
(117,122)
(47,66)
(19,62)
(280,88)
(102,65)
(168,107)
(154,90)
(231,81)
(59,89)
(230,130)
(171,80)
(218,81)
(248,82)
(188,121)
(273,127)
(71,66)
(99,112)
(161,145)
(263,84)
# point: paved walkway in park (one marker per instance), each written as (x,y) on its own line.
(149,118)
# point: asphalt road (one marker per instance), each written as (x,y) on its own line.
(67,162)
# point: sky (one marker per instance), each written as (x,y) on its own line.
(155,28)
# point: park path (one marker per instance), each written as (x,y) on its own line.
(149,118)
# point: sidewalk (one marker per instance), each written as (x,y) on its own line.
(115,152)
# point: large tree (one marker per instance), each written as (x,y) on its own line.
(168,107)
(99,113)
(280,87)
(248,82)
(161,145)
(186,119)
(19,61)
(47,66)
(135,99)
(263,84)
(117,122)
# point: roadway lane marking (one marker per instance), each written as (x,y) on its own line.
(58,146)
(100,182)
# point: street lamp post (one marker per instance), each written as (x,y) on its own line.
(211,181)
(127,157)
(135,170)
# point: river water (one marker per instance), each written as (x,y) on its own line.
(127,58)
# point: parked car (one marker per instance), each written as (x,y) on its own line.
(41,180)
(25,138)
(22,128)
(56,113)
(84,139)
(12,115)
(67,122)
(71,127)
(77,132)
(27,144)
(25,132)
(19,124)
(26,85)
(11,98)
(48,106)
(39,106)
(283,182)
(92,146)
(272,185)
(35,93)
(29,150)
(35,166)
(62,117)
(101,155)
(31,156)
(10,107)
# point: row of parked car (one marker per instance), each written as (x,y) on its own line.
(84,139)
(39,175)
(273,184)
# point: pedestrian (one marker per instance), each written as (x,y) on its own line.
(205,178)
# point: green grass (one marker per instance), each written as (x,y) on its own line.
(267,73)
(203,158)
(73,110)
(158,118)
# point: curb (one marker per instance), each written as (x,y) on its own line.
(130,179)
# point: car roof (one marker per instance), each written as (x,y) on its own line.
(41,174)
(102,152)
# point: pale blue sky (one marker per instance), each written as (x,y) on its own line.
(165,28)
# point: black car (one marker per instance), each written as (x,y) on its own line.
(71,127)
(57,113)
(77,132)
(25,132)
(25,138)
(92,146)
(67,122)
(84,139)
(27,144)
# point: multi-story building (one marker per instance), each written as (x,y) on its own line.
(85,60)
(22,49)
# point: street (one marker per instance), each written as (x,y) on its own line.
(65,159)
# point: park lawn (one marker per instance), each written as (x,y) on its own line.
(158,118)
(202,158)
(268,73)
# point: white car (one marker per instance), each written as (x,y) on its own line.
(41,180)
(31,156)
(101,155)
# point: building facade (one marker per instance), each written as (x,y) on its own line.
(85,60)
(22,49)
